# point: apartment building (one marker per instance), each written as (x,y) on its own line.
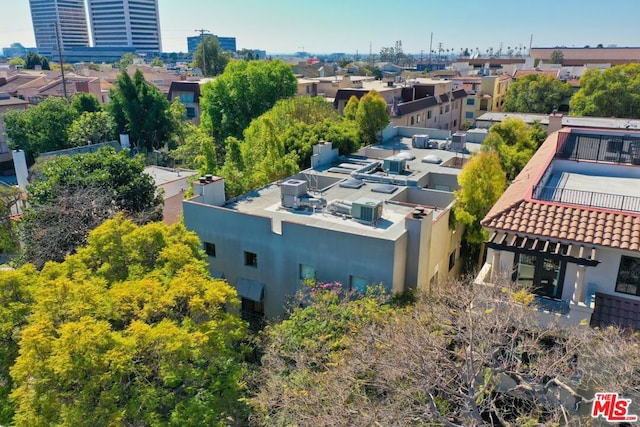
(569,227)
(378,217)
(426,103)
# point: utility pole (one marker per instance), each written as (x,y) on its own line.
(430,49)
(64,82)
(204,58)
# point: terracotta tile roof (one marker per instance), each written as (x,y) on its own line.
(517,212)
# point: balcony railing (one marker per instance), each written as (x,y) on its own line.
(619,149)
(616,202)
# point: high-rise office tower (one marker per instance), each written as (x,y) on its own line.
(70,18)
(132,23)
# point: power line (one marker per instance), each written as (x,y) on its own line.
(64,82)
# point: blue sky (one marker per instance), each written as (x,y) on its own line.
(280,26)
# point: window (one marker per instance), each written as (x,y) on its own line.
(446,108)
(358,284)
(252,312)
(468,115)
(191,112)
(629,276)
(471,101)
(307,272)
(210,249)
(452,260)
(441,110)
(186,97)
(428,114)
(250,259)
(455,123)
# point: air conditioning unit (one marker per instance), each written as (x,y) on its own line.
(394,165)
(458,141)
(366,210)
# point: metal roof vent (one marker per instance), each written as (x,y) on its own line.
(384,188)
(351,183)
(405,155)
(432,158)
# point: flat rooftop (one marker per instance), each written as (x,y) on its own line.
(399,194)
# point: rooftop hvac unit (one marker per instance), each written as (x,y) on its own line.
(293,187)
(394,165)
(458,141)
(420,141)
(366,210)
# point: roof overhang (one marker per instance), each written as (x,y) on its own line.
(569,252)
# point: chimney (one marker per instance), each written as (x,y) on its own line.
(555,122)
(210,189)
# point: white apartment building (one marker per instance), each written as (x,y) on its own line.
(68,16)
(130,23)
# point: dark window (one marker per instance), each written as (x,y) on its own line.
(629,276)
(471,101)
(452,260)
(191,112)
(253,313)
(251,259)
(210,249)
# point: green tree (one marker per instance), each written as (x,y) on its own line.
(614,92)
(482,182)
(73,194)
(141,110)
(127,59)
(41,128)
(85,102)
(16,299)
(131,330)
(17,62)
(279,142)
(32,59)
(243,92)
(91,128)
(536,93)
(351,109)
(214,60)
(515,142)
(371,117)
(157,62)
(557,57)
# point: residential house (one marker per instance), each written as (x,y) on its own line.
(379,217)
(188,92)
(568,227)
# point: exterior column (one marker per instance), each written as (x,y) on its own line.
(579,290)
(495,266)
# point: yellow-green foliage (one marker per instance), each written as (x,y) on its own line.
(129,330)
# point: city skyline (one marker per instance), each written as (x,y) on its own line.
(334,26)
